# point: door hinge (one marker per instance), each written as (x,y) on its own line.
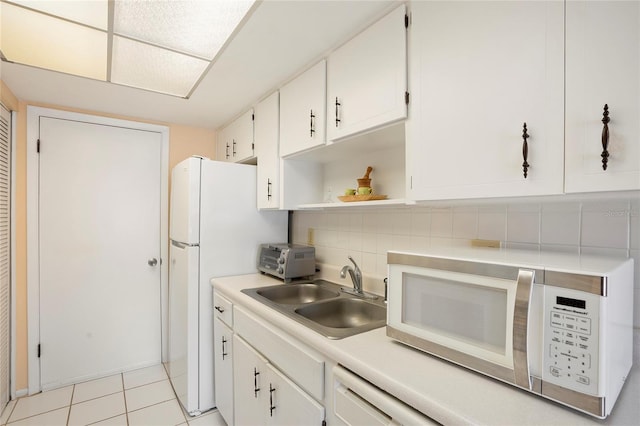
(253,147)
(406,98)
(39,350)
(406,20)
(38,147)
(253,117)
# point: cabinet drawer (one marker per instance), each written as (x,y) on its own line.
(358,402)
(223,309)
(304,366)
(354,410)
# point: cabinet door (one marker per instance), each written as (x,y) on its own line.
(223,147)
(288,404)
(475,83)
(238,138)
(250,385)
(603,65)
(223,356)
(367,78)
(266,137)
(303,111)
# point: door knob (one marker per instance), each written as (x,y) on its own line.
(152,262)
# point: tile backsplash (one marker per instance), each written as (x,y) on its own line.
(606,226)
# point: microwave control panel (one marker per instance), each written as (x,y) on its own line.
(571,339)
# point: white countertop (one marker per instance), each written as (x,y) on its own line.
(443,391)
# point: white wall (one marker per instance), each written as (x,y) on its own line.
(608,226)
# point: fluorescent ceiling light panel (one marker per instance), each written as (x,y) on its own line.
(46,42)
(93,13)
(161,45)
(198,28)
(141,65)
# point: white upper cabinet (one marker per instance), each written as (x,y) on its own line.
(603,68)
(367,78)
(266,137)
(303,111)
(235,141)
(480,71)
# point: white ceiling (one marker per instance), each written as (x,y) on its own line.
(279,40)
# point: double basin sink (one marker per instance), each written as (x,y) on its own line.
(324,307)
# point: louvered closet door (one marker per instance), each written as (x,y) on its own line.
(5,251)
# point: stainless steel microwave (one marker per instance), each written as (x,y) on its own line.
(557,325)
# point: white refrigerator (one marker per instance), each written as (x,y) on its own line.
(215,231)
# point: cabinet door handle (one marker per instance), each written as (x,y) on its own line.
(226,152)
(234,147)
(525,150)
(268,189)
(271,406)
(256,389)
(337,112)
(224,353)
(219,309)
(312,128)
(605,137)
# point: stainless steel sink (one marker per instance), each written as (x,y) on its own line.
(344,313)
(323,307)
(295,294)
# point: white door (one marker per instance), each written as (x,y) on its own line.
(223,364)
(250,385)
(602,68)
(475,83)
(367,78)
(266,136)
(99,224)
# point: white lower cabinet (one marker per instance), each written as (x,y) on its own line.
(223,355)
(276,379)
(265,396)
(223,367)
(250,384)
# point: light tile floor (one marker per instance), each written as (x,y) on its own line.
(136,398)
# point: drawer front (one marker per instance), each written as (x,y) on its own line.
(354,411)
(301,364)
(356,400)
(223,309)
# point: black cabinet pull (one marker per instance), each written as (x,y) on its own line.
(223,349)
(256,389)
(268,189)
(312,127)
(234,147)
(605,137)
(337,112)
(271,406)
(226,153)
(219,309)
(525,150)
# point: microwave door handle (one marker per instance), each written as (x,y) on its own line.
(524,288)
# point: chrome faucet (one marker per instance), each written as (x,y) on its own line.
(356,275)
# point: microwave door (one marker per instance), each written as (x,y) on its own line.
(476,320)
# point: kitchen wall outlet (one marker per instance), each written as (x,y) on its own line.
(485,243)
(310,239)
